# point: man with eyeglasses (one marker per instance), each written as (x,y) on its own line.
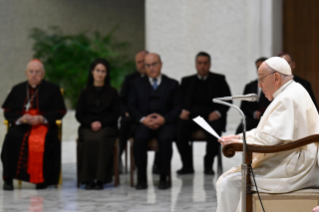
(290,116)
(197,93)
(298,79)
(154,104)
(31,150)
(253,110)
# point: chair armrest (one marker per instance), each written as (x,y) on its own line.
(229,150)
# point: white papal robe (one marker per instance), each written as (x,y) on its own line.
(291,115)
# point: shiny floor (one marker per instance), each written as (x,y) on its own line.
(188,193)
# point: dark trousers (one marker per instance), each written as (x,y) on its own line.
(126,128)
(164,135)
(185,129)
(250,124)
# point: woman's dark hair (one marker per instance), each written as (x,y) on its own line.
(92,67)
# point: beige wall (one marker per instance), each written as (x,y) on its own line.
(17,17)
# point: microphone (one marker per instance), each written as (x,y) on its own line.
(252,97)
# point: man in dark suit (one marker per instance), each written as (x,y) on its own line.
(253,110)
(300,80)
(197,93)
(154,104)
(127,121)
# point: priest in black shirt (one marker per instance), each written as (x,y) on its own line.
(154,105)
(298,79)
(197,92)
(253,110)
(126,120)
(31,150)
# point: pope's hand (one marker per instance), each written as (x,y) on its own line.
(316,209)
(229,139)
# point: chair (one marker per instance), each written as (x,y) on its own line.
(301,200)
(152,146)
(116,163)
(200,135)
(59,125)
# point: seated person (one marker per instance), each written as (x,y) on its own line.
(31,150)
(300,80)
(253,110)
(291,115)
(127,121)
(98,110)
(197,93)
(154,105)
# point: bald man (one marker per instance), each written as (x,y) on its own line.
(31,149)
(291,115)
(154,105)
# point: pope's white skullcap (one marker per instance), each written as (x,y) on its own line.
(279,64)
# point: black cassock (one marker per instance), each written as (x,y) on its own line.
(33,153)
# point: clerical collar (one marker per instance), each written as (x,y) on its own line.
(202,78)
(282,88)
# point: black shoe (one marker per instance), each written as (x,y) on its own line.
(141,186)
(99,186)
(183,171)
(8,185)
(41,186)
(155,169)
(89,185)
(209,172)
(164,185)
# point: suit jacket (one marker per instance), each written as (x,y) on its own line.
(125,90)
(138,101)
(218,87)
(307,86)
(250,107)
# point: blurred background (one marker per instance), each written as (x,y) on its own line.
(235,33)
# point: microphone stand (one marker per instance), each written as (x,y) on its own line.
(244,166)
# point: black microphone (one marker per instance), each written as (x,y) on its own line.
(252,97)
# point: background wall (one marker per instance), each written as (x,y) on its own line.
(73,16)
(234,33)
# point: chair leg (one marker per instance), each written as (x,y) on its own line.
(116,164)
(125,165)
(132,164)
(77,164)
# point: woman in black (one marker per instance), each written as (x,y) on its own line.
(98,110)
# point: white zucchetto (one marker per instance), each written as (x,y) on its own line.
(279,64)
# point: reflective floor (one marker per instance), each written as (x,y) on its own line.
(188,193)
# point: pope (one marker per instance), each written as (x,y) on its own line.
(291,115)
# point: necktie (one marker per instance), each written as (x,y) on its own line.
(155,84)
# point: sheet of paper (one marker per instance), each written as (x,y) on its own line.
(201,122)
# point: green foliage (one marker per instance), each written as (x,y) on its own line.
(67,58)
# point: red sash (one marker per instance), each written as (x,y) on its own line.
(36,144)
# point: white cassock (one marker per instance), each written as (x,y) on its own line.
(290,116)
